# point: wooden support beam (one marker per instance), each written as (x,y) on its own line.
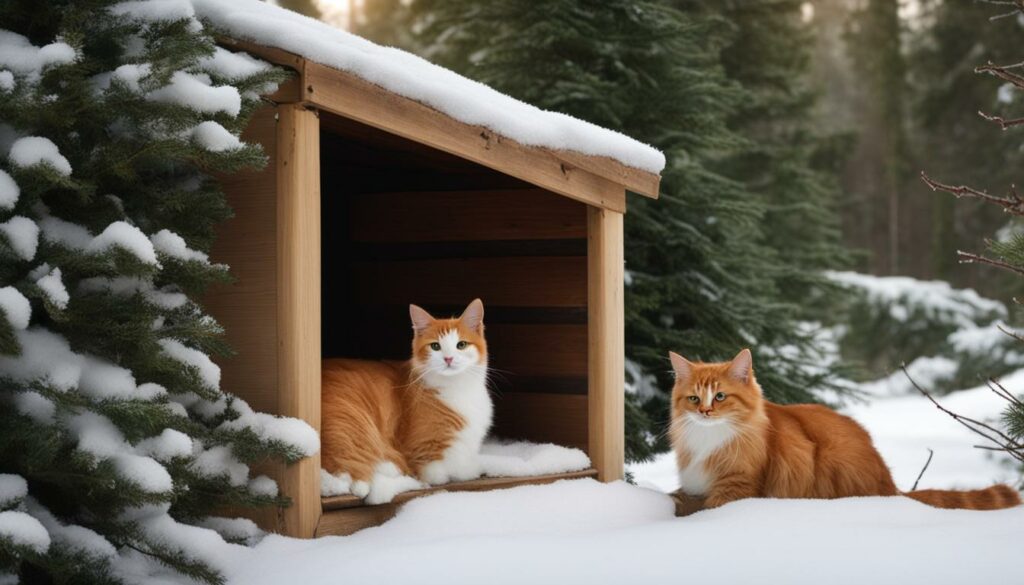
(607,346)
(298,307)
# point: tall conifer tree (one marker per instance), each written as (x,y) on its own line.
(115,437)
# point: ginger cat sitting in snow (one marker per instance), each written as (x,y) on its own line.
(389,425)
(731,443)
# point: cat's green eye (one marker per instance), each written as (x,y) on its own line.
(461,345)
(693,399)
(435,346)
(720,396)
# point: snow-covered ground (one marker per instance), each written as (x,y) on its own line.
(590,533)
(904,425)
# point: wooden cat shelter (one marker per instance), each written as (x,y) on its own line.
(372,201)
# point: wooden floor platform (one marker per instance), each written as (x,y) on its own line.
(343,515)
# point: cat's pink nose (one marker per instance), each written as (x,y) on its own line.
(705,411)
(448,360)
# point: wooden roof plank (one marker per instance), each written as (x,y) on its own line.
(595,180)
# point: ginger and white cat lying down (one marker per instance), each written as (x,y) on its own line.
(391,425)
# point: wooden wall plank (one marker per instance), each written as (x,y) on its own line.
(515,282)
(538,350)
(298,312)
(607,344)
(547,418)
(248,244)
(527,214)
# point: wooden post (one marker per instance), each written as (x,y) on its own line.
(298,304)
(606,341)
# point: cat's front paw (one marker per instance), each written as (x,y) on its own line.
(465,470)
(435,473)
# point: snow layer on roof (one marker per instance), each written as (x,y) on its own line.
(410,76)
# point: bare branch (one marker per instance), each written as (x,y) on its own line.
(1013,204)
(923,469)
(970,258)
(1002,391)
(1002,72)
(1003,122)
(989,433)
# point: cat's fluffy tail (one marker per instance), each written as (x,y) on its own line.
(996,497)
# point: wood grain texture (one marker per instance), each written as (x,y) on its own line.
(538,350)
(607,343)
(344,515)
(298,311)
(514,282)
(248,244)
(347,95)
(525,214)
(543,418)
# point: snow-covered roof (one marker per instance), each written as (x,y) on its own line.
(412,77)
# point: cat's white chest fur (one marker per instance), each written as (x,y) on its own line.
(700,440)
(467,395)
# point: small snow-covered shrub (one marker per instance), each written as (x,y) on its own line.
(949,338)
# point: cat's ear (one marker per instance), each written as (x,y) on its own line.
(681,366)
(473,316)
(741,368)
(420,318)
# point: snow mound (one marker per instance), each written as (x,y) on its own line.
(522,458)
(9,191)
(23,530)
(33,150)
(15,307)
(12,489)
(22,235)
(582,531)
(410,76)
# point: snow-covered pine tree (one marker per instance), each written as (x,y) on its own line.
(703,279)
(1006,250)
(116,441)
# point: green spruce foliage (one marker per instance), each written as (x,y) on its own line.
(114,434)
(704,276)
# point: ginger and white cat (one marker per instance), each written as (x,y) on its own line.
(392,425)
(732,443)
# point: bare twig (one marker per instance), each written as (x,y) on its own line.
(986,431)
(971,258)
(1002,72)
(1013,203)
(1012,334)
(1003,392)
(1003,122)
(923,469)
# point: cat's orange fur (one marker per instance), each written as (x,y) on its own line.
(736,444)
(385,411)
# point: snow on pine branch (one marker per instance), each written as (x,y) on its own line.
(903,296)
